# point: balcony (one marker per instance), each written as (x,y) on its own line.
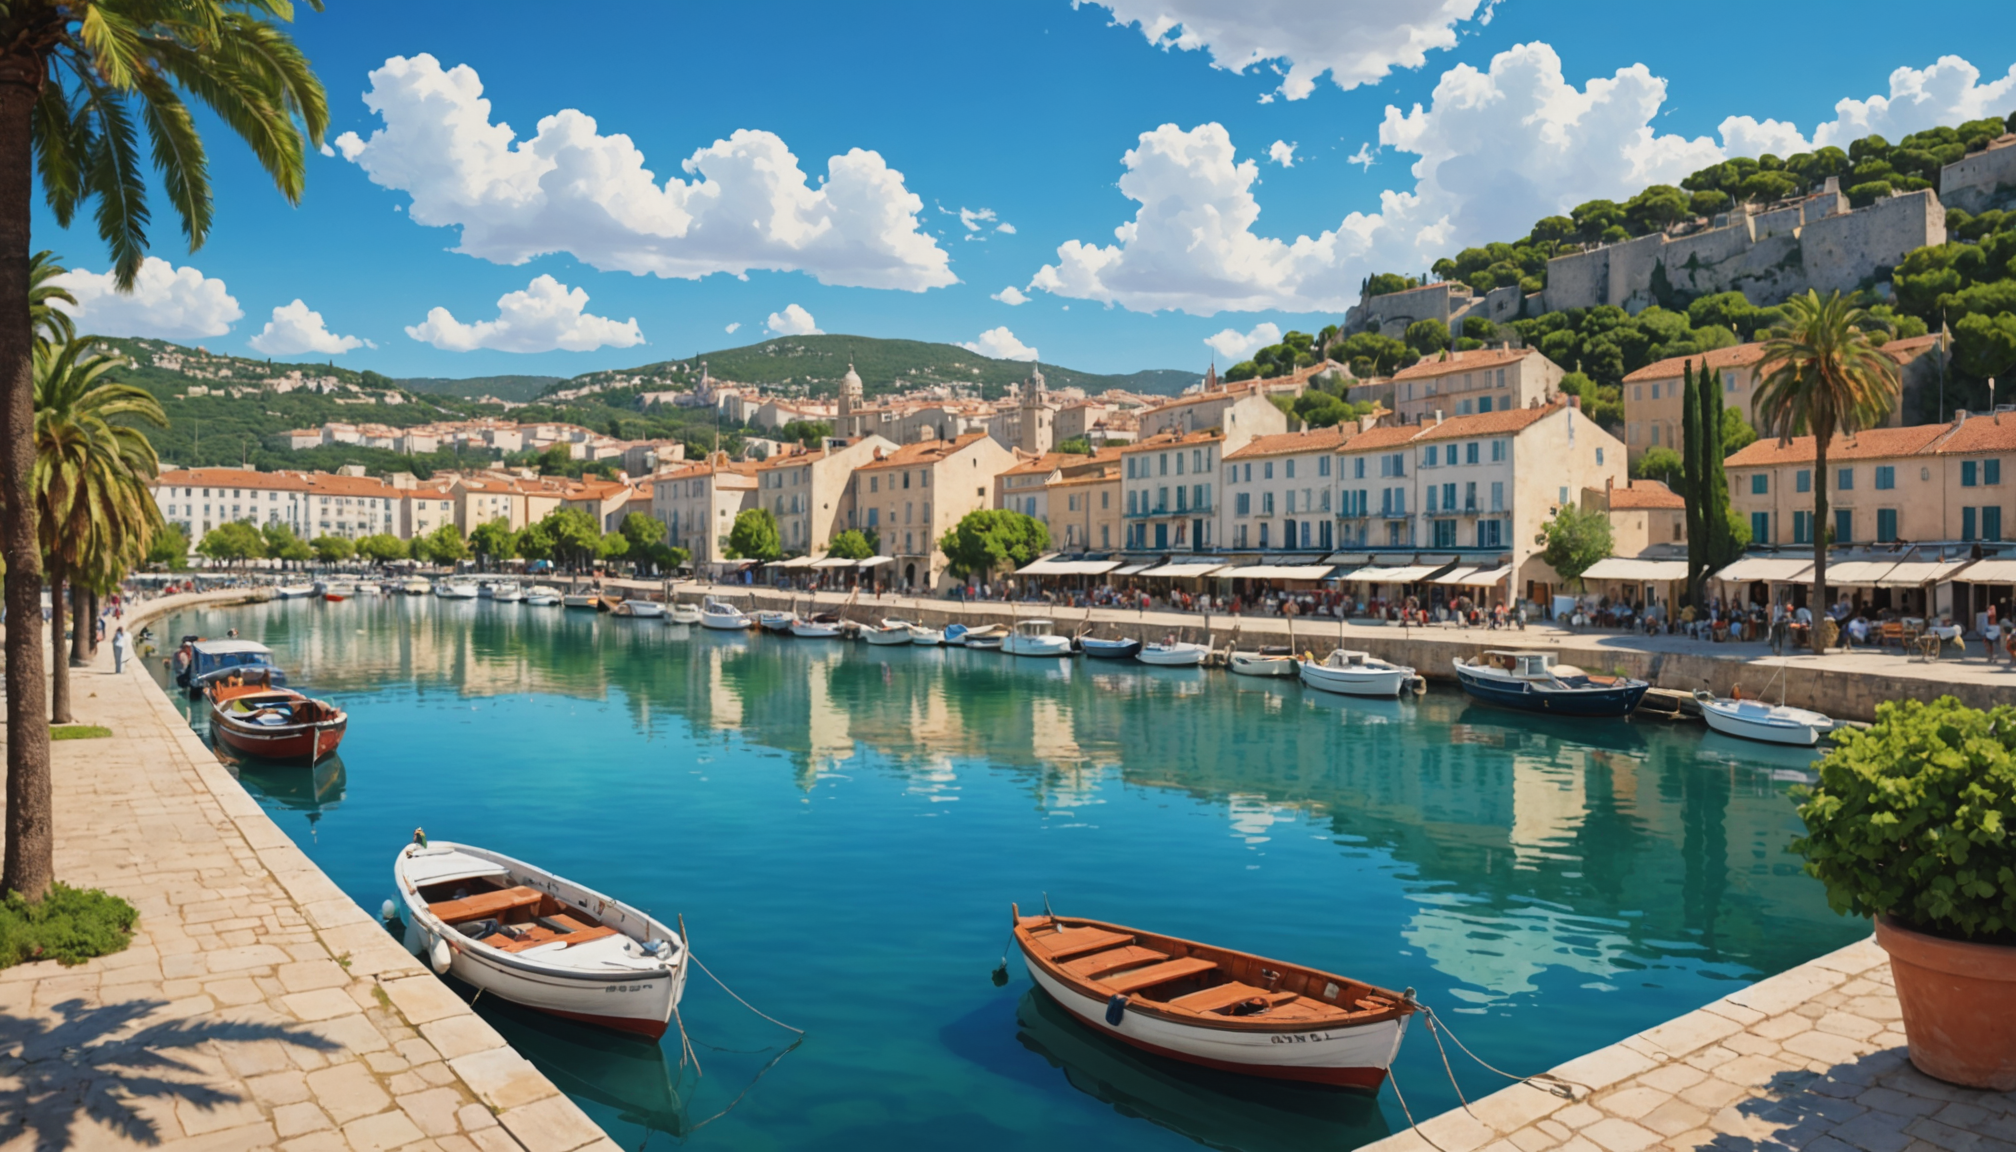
(1176,513)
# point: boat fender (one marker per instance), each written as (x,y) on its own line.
(1116,1008)
(387,910)
(439,956)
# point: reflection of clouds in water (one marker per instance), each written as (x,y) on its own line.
(1499,953)
(1253,817)
(936,781)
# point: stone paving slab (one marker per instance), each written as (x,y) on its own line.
(258,1006)
(1812,1058)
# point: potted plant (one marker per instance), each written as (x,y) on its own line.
(1913,822)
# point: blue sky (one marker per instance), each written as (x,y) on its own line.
(1024,110)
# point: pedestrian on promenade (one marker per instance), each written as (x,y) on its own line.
(122,647)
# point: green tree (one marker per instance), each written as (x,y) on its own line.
(991,539)
(810,433)
(1662,464)
(1428,337)
(170,548)
(1692,489)
(445,545)
(1075,446)
(850,545)
(332,549)
(535,542)
(382,548)
(666,558)
(641,530)
(1575,540)
(1737,434)
(494,541)
(1985,346)
(81,75)
(612,546)
(1822,374)
(1387,283)
(282,544)
(558,461)
(231,543)
(754,536)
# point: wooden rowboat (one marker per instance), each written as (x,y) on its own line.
(275,723)
(1216,1007)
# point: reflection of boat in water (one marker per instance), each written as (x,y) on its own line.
(1216,1109)
(627,1073)
(291,786)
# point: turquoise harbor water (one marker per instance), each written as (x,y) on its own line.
(844,826)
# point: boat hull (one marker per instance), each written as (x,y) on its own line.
(643,609)
(683,614)
(292,742)
(1108,649)
(1247,664)
(1355,1058)
(1600,703)
(1731,722)
(1173,655)
(723,623)
(887,636)
(1385,682)
(1048,646)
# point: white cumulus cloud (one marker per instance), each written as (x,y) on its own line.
(570,188)
(167,303)
(1001,344)
(1496,150)
(1355,41)
(1282,153)
(296,328)
(793,321)
(1949,92)
(732,327)
(545,316)
(1235,345)
(1010,296)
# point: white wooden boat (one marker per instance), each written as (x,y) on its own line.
(927,637)
(1099,649)
(1770,723)
(985,636)
(1212,1006)
(824,626)
(642,609)
(771,620)
(415,586)
(1173,654)
(1356,674)
(1278,661)
(889,632)
(523,934)
(504,592)
(682,613)
(588,600)
(455,590)
(723,617)
(541,596)
(1033,638)
(294,591)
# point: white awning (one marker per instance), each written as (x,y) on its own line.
(1456,576)
(1401,575)
(834,562)
(1987,572)
(1133,569)
(1352,558)
(874,561)
(1918,573)
(1636,571)
(1277,572)
(1487,578)
(1767,569)
(793,562)
(1184,571)
(1052,567)
(1858,573)
(1435,561)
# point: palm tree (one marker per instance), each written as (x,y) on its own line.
(1822,374)
(79,82)
(47,323)
(94,511)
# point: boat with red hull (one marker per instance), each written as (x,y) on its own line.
(1216,1007)
(275,723)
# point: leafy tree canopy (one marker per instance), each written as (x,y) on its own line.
(1076,446)
(494,540)
(754,536)
(1662,464)
(445,545)
(233,543)
(642,531)
(333,549)
(381,548)
(169,547)
(993,539)
(850,545)
(1575,540)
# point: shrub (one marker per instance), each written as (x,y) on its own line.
(70,926)
(1912,819)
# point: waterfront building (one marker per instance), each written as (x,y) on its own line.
(1167,487)
(424,508)
(1474,382)
(310,504)
(807,487)
(604,500)
(1279,491)
(1646,517)
(1085,506)
(1241,411)
(906,498)
(699,502)
(1025,487)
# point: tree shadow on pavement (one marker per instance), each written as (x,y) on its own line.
(105,1062)
(1877,1101)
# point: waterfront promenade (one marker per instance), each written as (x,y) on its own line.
(258,1006)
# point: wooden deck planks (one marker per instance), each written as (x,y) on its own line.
(1101,964)
(1136,979)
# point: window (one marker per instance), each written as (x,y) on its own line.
(1886,477)
(1266,503)
(1564,495)
(1844,526)
(1471,453)
(1655,435)
(1428,456)
(1886,525)
(1498,451)
(1844,480)
(1599,457)
(1289,466)
(1470,496)
(1991,522)
(1249,473)
(1655,391)
(1484,404)
(1242,504)
(1967,524)
(1760,527)
(1445,533)
(1448,497)
(1490,533)
(1970,474)
(1760,484)
(1802,481)
(1991,471)
(1729,380)
(1323,466)
(1497,496)
(1267,470)
(1105,501)
(1164,457)
(1263,534)
(1357,467)
(1434,494)
(1802,527)
(1326,499)
(1179,463)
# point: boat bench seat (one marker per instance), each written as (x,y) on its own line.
(1100,964)
(485,904)
(1136,979)
(539,937)
(1223,996)
(1078,941)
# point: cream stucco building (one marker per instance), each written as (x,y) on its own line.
(909,497)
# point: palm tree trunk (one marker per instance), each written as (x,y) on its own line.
(28,866)
(91,602)
(84,627)
(1819,594)
(59,668)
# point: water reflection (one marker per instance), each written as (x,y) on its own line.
(628,1074)
(293,787)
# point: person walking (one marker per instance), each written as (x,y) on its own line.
(122,647)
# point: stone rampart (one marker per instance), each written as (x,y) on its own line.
(1981,180)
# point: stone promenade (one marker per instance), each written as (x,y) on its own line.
(258,1006)
(1809,1059)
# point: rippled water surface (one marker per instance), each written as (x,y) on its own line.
(843,828)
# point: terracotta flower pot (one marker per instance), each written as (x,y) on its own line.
(1958,999)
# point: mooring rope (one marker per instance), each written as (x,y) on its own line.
(1544,1081)
(739,1000)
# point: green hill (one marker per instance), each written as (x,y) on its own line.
(517,389)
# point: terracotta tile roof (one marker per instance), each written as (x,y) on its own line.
(1105,475)
(1910,347)
(1047,462)
(1875,443)
(1231,392)
(1170,440)
(1286,443)
(1384,436)
(324,484)
(923,452)
(232,478)
(1981,433)
(1644,494)
(1511,420)
(1464,362)
(1736,356)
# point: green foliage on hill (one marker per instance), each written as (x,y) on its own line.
(517,389)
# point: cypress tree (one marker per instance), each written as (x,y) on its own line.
(1690,481)
(1721,545)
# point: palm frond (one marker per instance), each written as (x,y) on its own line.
(50,324)
(255,46)
(116,180)
(251,110)
(63,148)
(178,156)
(113,42)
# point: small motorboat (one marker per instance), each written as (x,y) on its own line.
(1272,661)
(1533,682)
(1173,653)
(890,632)
(1212,1006)
(1034,638)
(1757,720)
(504,593)
(986,639)
(1349,673)
(927,637)
(642,609)
(274,723)
(589,600)
(337,591)
(541,596)
(961,636)
(681,613)
(723,617)
(211,660)
(771,620)
(522,934)
(455,590)
(293,591)
(335,597)
(1108,649)
(824,626)
(415,587)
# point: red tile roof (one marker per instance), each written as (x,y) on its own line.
(1644,494)
(1984,433)
(1511,420)
(1469,361)
(1286,443)
(1671,368)
(1876,442)
(923,452)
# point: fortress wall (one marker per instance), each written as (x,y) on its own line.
(1631,265)
(1577,280)
(1840,252)
(1981,180)
(1779,222)
(1389,315)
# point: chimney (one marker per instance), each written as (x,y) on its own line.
(1438,417)
(1574,401)
(1959,417)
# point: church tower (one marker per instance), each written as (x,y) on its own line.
(850,402)
(1033,422)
